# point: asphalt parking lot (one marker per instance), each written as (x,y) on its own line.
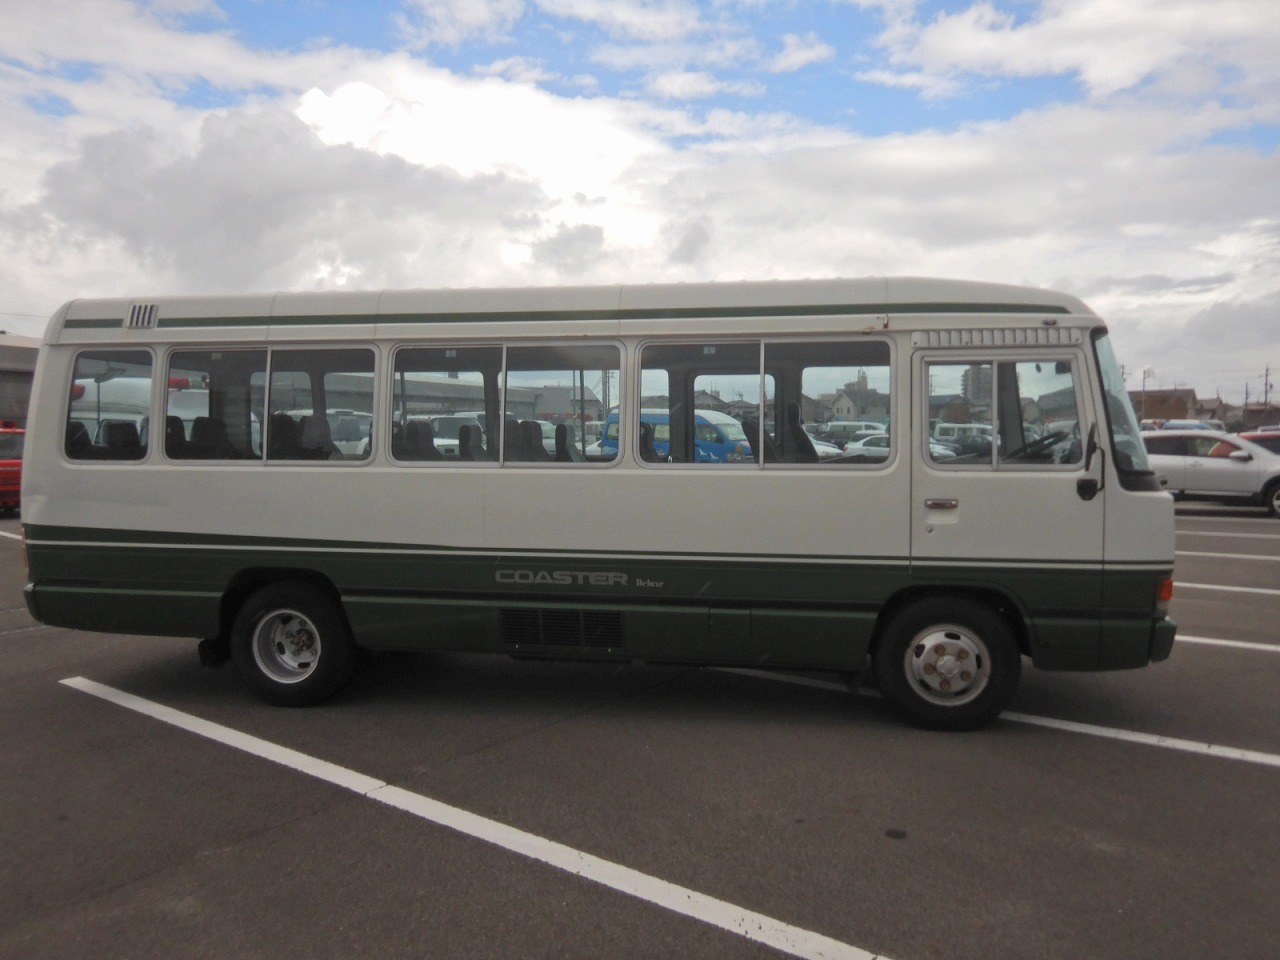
(480,807)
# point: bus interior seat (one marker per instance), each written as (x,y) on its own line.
(420,441)
(209,440)
(175,438)
(567,450)
(648,452)
(531,440)
(282,437)
(804,450)
(469,447)
(316,442)
(513,441)
(79,446)
(122,440)
(755,437)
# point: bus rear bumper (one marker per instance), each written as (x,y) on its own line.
(29,595)
(1162,636)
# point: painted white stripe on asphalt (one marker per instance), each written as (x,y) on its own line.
(1179,585)
(11,536)
(718,913)
(1261,519)
(1110,733)
(1224,533)
(1149,739)
(1226,556)
(1241,644)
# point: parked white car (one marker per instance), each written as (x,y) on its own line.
(1212,465)
(875,447)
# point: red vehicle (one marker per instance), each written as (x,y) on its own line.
(11,440)
(1267,438)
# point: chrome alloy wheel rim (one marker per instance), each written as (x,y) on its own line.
(948,665)
(286,646)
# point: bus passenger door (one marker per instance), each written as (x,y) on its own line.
(1012,505)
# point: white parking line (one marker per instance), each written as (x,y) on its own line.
(1149,739)
(1233,536)
(1110,733)
(1241,644)
(1223,518)
(1179,585)
(718,913)
(11,536)
(1226,556)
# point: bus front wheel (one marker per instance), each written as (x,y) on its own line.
(948,663)
(291,645)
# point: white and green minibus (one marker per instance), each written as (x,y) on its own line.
(277,493)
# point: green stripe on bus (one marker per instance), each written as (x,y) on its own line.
(610,315)
(93,323)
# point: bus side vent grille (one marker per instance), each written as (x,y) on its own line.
(142,316)
(561,628)
(999,337)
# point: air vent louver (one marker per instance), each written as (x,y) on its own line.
(142,316)
(561,628)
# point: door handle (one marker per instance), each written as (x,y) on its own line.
(941,503)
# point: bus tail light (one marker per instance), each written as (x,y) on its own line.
(1164,593)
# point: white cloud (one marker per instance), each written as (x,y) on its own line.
(261,203)
(647,20)
(451,22)
(364,169)
(799,52)
(1110,45)
(694,85)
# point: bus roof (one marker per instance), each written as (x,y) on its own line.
(817,305)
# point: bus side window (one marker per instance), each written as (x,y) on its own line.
(213,404)
(444,406)
(696,398)
(825,388)
(328,394)
(1022,413)
(109,406)
(552,391)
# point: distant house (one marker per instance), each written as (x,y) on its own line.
(709,400)
(1177,404)
(858,403)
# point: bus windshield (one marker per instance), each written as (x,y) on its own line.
(1126,439)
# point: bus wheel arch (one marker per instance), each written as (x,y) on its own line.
(948,660)
(291,642)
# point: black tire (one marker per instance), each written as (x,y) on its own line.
(948,663)
(291,645)
(1271,499)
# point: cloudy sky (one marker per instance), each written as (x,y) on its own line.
(1123,150)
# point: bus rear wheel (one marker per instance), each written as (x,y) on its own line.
(948,663)
(291,645)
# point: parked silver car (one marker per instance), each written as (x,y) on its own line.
(1212,465)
